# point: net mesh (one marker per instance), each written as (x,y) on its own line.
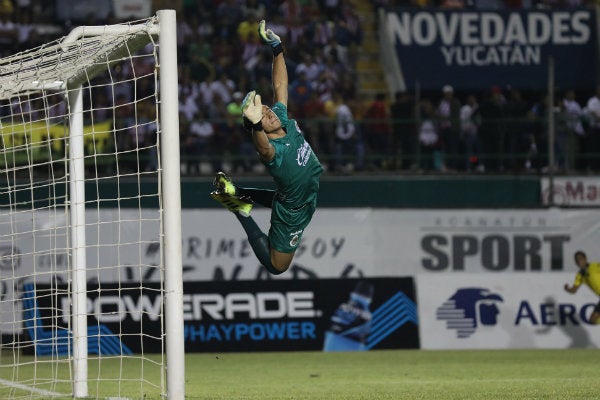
(118,73)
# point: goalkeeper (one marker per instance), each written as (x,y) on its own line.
(287,156)
(589,273)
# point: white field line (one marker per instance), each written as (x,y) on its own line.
(30,388)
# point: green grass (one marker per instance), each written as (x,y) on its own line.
(402,374)
(414,374)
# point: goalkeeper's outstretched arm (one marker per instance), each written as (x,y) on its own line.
(280,76)
(280,79)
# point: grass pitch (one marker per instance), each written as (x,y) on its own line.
(400,374)
(404,374)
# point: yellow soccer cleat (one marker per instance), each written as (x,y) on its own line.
(223,184)
(241,205)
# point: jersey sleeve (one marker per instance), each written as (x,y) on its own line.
(278,158)
(578,280)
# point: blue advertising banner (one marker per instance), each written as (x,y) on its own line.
(289,315)
(480,49)
(262,315)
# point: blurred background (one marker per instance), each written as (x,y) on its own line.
(379,87)
(449,131)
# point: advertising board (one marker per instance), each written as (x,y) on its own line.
(484,311)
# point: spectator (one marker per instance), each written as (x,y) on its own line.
(338,52)
(333,70)
(493,129)
(448,113)
(247,30)
(592,110)
(429,139)
(228,14)
(314,114)
(251,49)
(349,150)
(377,130)
(185,31)
(517,130)
(199,54)
(538,145)
(347,86)
(190,101)
(352,23)
(573,114)
(205,27)
(300,92)
(322,31)
(246,154)
(404,139)
(146,135)
(26,30)
(253,10)
(325,85)
(332,8)
(470,120)
(309,67)
(8,29)
(124,112)
(199,141)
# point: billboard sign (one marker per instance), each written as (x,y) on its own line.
(571,191)
(475,311)
(329,314)
(478,49)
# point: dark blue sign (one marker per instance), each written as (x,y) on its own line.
(468,308)
(480,49)
(260,315)
(284,315)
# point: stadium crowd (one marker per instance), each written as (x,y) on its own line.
(220,59)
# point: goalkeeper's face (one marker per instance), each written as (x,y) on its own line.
(270,121)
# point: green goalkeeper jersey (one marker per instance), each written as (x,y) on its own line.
(295,168)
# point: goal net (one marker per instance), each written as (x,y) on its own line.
(90,290)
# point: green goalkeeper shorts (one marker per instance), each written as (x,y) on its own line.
(287,225)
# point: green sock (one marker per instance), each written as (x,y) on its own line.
(264,197)
(259,242)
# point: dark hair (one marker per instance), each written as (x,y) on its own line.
(579,253)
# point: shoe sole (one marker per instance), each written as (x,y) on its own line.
(221,187)
(231,205)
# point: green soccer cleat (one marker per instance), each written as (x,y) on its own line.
(241,205)
(223,184)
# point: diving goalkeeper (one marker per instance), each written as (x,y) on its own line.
(291,162)
(589,273)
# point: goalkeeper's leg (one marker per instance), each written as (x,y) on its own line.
(260,244)
(264,197)
(224,184)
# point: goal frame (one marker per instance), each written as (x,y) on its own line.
(163,28)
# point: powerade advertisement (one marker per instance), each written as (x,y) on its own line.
(325,314)
(478,49)
(270,315)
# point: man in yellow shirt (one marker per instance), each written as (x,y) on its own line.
(589,273)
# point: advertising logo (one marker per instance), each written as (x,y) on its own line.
(494,242)
(57,340)
(283,315)
(468,308)
(568,191)
(355,327)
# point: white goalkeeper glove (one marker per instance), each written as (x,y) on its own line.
(252,112)
(268,37)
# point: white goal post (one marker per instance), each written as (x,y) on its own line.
(91,291)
